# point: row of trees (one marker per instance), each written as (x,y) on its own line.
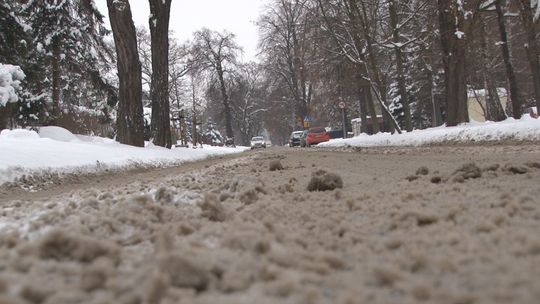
(398,58)
(394,58)
(70,65)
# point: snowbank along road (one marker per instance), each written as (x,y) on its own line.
(282,225)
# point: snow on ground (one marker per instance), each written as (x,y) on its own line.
(524,129)
(57,150)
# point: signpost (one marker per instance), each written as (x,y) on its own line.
(342,106)
(307,120)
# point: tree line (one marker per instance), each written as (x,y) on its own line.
(414,63)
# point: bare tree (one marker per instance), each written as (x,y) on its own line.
(145,55)
(355,39)
(493,108)
(287,45)
(428,60)
(129,121)
(455,30)
(159,90)
(248,92)
(178,68)
(530,15)
(214,51)
(397,44)
(346,34)
(515,97)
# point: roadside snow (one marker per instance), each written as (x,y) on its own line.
(57,150)
(526,128)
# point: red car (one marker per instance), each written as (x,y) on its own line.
(315,135)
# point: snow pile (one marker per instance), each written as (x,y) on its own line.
(526,128)
(10,82)
(57,133)
(55,149)
(18,134)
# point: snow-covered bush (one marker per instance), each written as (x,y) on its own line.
(10,82)
(212,135)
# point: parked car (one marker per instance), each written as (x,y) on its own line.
(257,142)
(314,136)
(336,133)
(303,138)
(294,140)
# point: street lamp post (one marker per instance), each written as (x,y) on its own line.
(342,107)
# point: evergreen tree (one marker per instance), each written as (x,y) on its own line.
(69,53)
(13,37)
(13,42)
(212,135)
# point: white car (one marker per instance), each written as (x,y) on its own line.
(257,142)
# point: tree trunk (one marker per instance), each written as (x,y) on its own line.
(362,108)
(56,79)
(394,23)
(454,51)
(436,114)
(129,121)
(456,87)
(159,89)
(358,27)
(6,115)
(194,135)
(510,75)
(299,108)
(532,47)
(226,105)
(366,95)
(194,116)
(494,110)
(372,59)
(366,89)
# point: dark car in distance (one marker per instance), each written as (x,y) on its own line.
(294,139)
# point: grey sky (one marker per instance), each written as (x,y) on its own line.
(187,16)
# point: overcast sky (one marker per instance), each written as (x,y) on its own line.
(188,16)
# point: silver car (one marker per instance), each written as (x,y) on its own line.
(258,142)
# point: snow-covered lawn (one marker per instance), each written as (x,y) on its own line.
(526,128)
(57,150)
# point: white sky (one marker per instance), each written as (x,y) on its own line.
(188,16)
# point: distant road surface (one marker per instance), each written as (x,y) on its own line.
(436,224)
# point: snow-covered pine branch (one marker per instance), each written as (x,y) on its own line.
(10,82)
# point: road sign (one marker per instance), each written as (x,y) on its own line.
(307,118)
(341,105)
